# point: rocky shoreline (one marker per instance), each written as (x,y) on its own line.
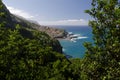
(72,37)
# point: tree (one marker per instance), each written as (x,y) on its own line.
(27,58)
(103,57)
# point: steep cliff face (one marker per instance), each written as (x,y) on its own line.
(10,21)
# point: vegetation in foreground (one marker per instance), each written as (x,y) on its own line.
(33,56)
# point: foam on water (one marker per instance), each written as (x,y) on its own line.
(76,37)
(83,37)
(75,46)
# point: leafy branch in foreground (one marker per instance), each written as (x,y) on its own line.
(103,57)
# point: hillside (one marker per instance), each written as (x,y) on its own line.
(27,27)
(27,52)
(52,32)
(11,20)
(5,16)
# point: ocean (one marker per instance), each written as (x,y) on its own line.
(74,47)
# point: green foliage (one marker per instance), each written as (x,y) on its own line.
(103,58)
(25,58)
(33,58)
(26,53)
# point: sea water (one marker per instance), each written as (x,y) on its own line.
(75,47)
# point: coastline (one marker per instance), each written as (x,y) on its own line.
(71,37)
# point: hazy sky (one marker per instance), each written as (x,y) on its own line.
(51,12)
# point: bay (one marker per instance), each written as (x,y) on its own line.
(75,48)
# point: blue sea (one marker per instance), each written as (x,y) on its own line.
(75,47)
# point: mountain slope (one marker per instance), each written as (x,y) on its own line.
(27,28)
(10,20)
(5,17)
(52,32)
(27,53)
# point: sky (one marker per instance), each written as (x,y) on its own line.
(51,12)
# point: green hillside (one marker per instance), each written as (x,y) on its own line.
(27,52)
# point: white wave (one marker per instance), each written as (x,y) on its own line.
(77,35)
(73,39)
(63,49)
(82,37)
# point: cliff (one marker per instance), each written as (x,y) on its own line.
(52,32)
(28,27)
